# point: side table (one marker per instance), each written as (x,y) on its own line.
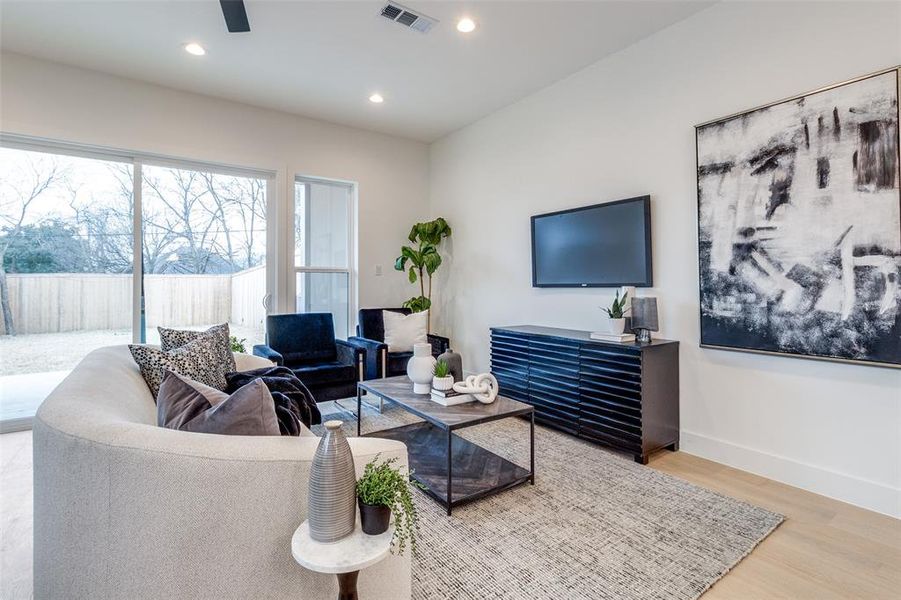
(344,558)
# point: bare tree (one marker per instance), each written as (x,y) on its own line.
(16,199)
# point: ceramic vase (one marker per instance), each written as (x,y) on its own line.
(421,368)
(454,362)
(443,384)
(616,326)
(332,505)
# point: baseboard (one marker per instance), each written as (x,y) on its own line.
(864,493)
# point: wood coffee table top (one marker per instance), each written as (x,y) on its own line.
(400,390)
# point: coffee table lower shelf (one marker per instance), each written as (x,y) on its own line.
(441,459)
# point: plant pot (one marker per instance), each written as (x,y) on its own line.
(443,384)
(374,518)
(421,368)
(616,326)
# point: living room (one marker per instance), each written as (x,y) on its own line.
(292,169)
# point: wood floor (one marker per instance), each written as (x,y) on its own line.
(825,549)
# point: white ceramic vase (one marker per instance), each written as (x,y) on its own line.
(443,384)
(616,326)
(421,368)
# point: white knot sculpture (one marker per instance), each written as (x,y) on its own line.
(482,387)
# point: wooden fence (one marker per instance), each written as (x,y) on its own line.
(59,302)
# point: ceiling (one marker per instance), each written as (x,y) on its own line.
(324,59)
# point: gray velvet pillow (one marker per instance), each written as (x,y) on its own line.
(170,339)
(189,406)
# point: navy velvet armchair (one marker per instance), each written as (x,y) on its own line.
(306,344)
(378,362)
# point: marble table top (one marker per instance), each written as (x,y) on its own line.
(356,551)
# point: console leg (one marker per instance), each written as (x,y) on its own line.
(641,459)
(674,446)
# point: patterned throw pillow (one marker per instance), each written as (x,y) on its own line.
(170,339)
(200,360)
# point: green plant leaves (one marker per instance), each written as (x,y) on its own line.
(418,304)
(385,485)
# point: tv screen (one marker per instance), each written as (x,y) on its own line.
(605,245)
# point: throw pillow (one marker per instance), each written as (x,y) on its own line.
(170,339)
(402,331)
(189,406)
(200,360)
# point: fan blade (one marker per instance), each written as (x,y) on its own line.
(235,16)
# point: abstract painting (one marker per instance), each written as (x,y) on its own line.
(799,225)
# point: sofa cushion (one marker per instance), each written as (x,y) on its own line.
(397,362)
(187,406)
(403,331)
(200,360)
(170,339)
(325,373)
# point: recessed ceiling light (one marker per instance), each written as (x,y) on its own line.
(195,49)
(376,99)
(466,25)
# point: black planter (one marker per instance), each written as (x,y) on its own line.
(374,518)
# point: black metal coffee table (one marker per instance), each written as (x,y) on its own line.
(452,469)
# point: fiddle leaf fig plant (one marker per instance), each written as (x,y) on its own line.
(421,259)
(618,309)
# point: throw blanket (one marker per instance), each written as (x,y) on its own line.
(294,403)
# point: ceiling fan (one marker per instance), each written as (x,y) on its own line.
(235,16)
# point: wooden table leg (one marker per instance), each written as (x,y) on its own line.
(347,585)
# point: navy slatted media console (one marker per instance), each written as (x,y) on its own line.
(622,395)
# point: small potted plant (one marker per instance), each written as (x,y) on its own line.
(442,380)
(238,345)
(616,323)
(384,489)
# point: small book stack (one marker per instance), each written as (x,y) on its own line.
(613,337)
(450,397)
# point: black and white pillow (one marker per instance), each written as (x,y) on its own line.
(170,339)
(200,360)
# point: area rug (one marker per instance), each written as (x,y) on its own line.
(594,525)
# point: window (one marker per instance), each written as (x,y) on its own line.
(66,269)
(324,250)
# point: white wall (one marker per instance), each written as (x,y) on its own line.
(624,127)
(44,99)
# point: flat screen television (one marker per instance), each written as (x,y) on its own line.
(604,245)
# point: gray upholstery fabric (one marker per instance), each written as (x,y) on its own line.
(121,505)
(199,408)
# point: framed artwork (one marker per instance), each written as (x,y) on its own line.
(799,225)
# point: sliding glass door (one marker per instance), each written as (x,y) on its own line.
(324,250)
(204,251)
(69,234)
(66,276)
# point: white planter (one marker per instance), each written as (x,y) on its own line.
(443,384)
(421,368)
(616,326)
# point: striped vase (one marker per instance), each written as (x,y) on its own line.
(332,506)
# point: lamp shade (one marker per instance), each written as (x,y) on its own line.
(644,314)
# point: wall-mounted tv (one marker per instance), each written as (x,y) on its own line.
(604,245)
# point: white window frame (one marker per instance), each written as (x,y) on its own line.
(351,269)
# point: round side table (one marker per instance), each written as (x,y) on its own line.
(344,558)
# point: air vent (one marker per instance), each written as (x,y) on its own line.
(408,18)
